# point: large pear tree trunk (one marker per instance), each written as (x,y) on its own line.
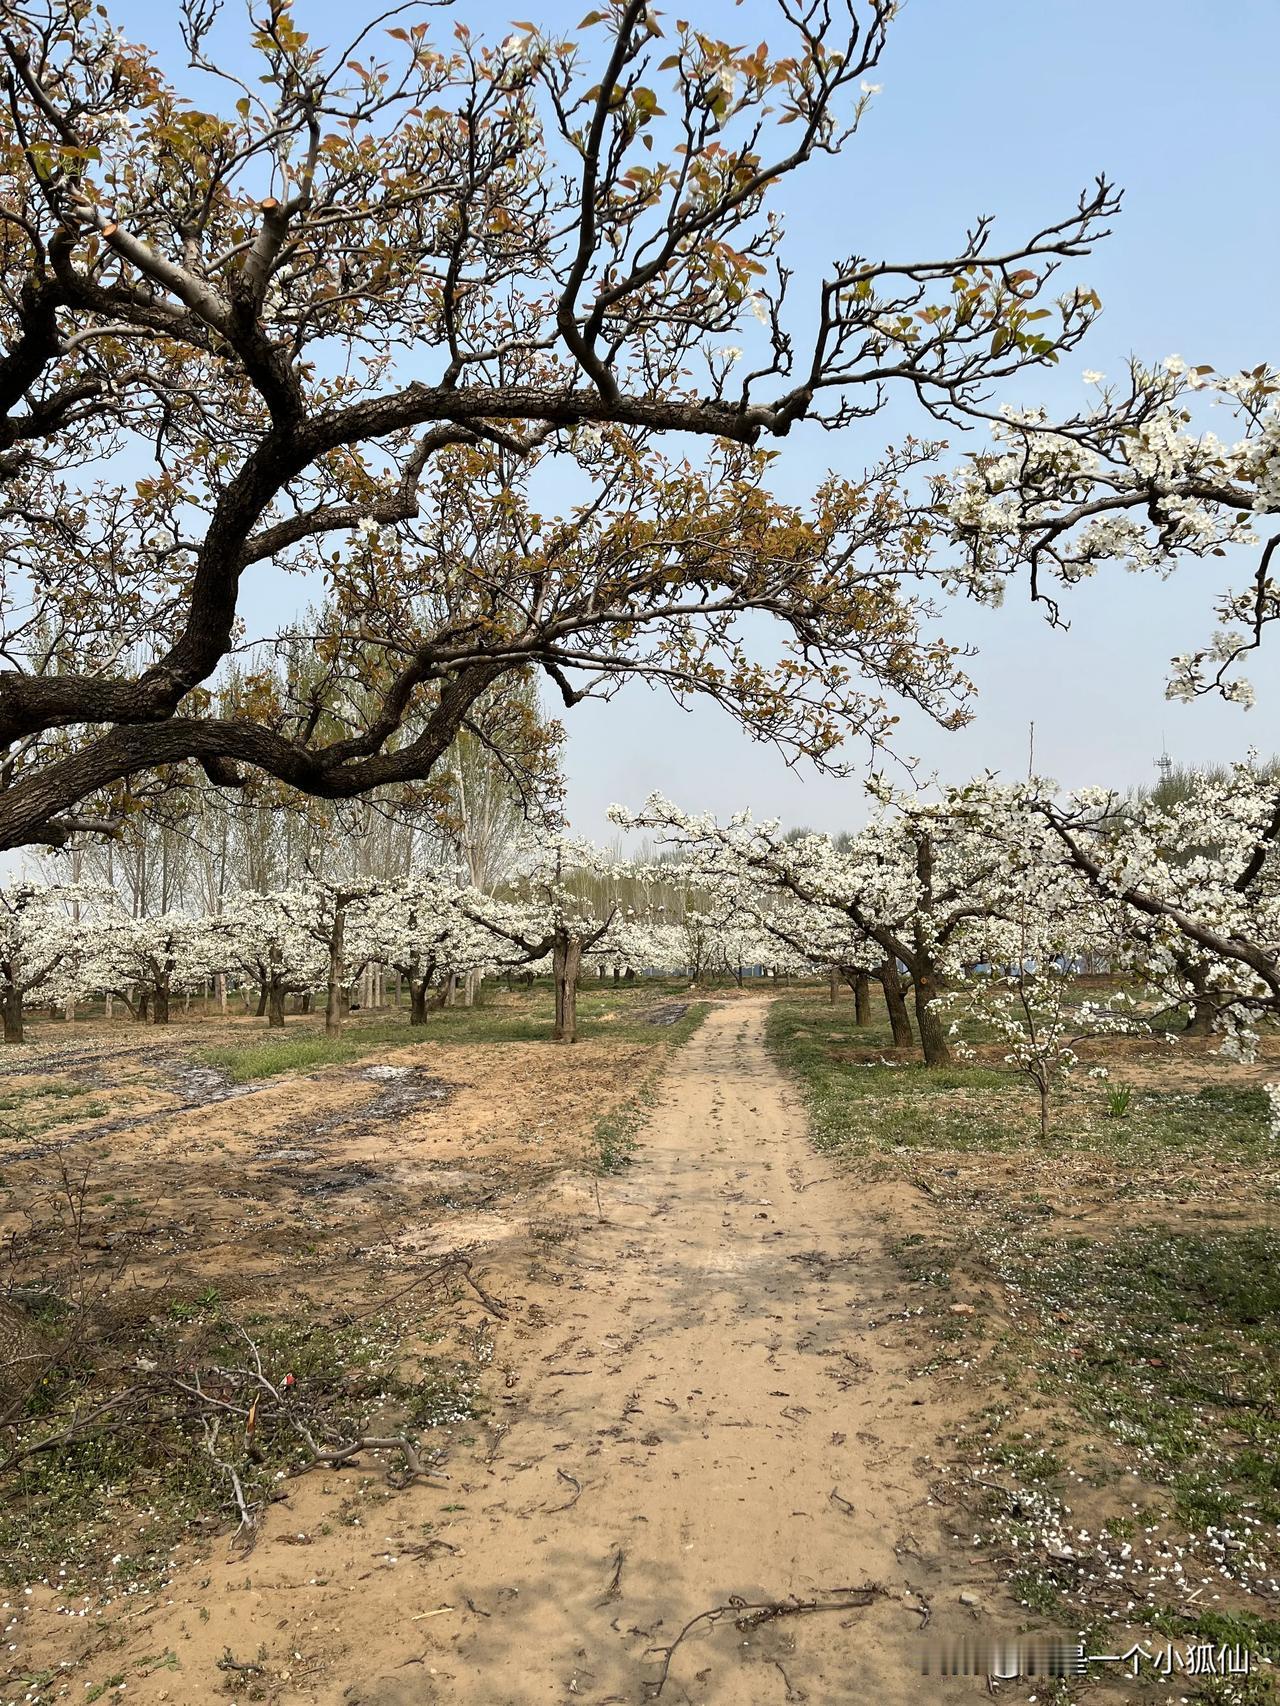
(275,990)
(862,1000)
(160,1004)
(335,998)
(894,1000)
(860,983)
(418,988)
(933,1036)
(11,1009)
(566,963)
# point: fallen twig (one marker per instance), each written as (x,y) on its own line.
(451,1265)
(428,1549)
(571,1481)
(72,1431)
(793,1693)
(490,1303)
(614,1589)
(336,1457)
(248,1513)
(242,1667)
(748,1615)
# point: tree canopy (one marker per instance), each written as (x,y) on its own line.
(338,316)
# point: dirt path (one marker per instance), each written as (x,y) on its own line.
(712,1400)
(715,1375)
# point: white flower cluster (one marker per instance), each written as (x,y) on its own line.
(1135,481)
(995,897)
(1273,1111)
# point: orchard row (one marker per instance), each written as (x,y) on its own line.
(985,899)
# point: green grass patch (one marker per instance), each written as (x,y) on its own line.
(614,1139)
(302,1050)
(55,1089)
(48,1102)
(1142,1363)
(864,1107)
(1258,1635)
(1172,1346)
(858,1108)
(605,1011)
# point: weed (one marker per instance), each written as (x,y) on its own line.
(191,1309)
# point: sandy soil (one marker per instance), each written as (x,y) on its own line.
(298,1184)
(707,1407)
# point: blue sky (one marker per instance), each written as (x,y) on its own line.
(1007,107)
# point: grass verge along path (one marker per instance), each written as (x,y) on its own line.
(1115,1295)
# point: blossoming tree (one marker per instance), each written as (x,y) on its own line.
(40,941)
(1199,880)
(428,929)
(144,960)
(273,940)
(562,910)
(1039,930)
(902,897)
